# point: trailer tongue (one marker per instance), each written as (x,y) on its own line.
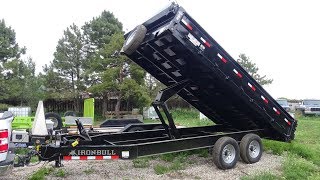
(174,48)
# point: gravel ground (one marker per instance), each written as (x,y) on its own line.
(198,168)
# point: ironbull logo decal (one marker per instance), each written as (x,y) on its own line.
(92,153)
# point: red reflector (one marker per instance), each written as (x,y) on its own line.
(115,157)
(4,148)
(4,133)
(99,157)
(237,73)
(207,44)
(264,99)
(276,110)
(288,122)
(222,58)
(66,158)
(186,24)
(252,87)
(189,26)
(83,157)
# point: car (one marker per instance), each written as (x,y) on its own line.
(6,147)
(285,105)
(309,107)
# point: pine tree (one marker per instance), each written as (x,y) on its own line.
(252,69)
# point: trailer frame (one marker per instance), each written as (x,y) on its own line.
(130,145)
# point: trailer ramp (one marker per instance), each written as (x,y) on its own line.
(176,48)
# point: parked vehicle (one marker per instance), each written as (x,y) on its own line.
(285,105)
(309,107)
(177,51)
(6,148)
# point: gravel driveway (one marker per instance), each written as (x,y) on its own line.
(198,168)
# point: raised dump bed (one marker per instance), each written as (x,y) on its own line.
(173,47)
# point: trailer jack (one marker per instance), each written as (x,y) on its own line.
(160,101)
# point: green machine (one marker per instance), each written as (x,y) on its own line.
(88,108)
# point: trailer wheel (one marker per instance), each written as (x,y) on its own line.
(135,129)
(134,39)
(225,153)
(251,148)
(55,118)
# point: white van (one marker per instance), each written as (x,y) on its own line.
(6,148)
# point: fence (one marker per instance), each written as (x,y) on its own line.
(62,106)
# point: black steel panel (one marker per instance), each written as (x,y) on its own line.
(220,88)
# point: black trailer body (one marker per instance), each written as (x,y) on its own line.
(173,48)
(129,145)
(176,48)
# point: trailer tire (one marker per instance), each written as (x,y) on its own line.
(135,129)
(55,118)
(251,148)
(134,39)
(70,113)
(226,153)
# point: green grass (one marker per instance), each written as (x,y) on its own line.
(98,119)
(296,167)
(189,118)
(89,171)
(302,155)
(306,143)
(178,161)
(141,163)
(182,156)
(174,166)
(60,173)
(185,117)
(41,173)
(24,151)
(21,151)
(261,176)
(161,169)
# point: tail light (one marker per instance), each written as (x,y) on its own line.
(4,139)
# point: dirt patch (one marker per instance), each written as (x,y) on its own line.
(195,168)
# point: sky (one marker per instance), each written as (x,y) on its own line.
(281,37)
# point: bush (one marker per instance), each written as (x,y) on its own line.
(4,107)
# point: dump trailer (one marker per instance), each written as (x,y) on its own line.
(176,50)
